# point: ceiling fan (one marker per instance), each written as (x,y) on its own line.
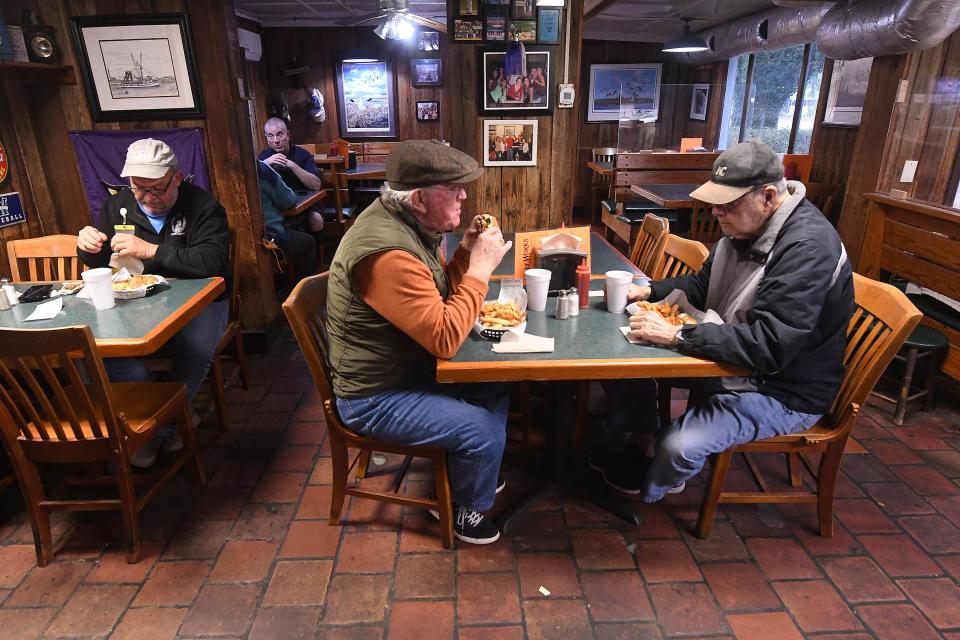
(396,18)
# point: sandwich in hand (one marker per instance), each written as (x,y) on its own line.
(485,221)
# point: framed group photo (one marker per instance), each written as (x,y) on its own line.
(505,90)
(138,67)
(428,41)
(699,101)
(428,110)
(510,143)
(624,92)
(426,72)
(366,99)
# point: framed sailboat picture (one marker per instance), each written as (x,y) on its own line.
(138,67)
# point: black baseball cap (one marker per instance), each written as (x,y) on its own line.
(739,170)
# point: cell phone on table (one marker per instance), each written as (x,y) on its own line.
(36,293)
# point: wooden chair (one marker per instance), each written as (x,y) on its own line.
(48,258)
(649,243)
(882,320)
(50,415)
(680,256)
(600,184)
(305,308)
(823,195)
(231,334)
(704,226)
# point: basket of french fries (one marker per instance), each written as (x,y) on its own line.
(496,318)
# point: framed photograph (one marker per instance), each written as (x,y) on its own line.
(366,99)
(510,143)
(428,41)
(428,111)
(467,30)
(495,28)
(848,90)
(506,91)
(624,92)
(520,9)
(699,101)
(426,72)
(468,7)
(525,30)
(548,25)
(138,67)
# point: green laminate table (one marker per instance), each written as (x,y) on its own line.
(132,327)
(603,256)
(587,347)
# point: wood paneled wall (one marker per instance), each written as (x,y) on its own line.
(675,94)
(522,198)
(927,123)
(44,166)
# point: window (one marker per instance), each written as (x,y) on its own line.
(763,102)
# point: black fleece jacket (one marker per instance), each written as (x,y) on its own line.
(193,243)
(795,334)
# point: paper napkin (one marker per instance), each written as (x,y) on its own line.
(523,343)
(46,310)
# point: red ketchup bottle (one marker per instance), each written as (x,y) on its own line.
(583,284)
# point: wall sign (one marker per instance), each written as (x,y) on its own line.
(4,165)
(11,210)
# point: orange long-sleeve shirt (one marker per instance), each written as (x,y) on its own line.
(401,289)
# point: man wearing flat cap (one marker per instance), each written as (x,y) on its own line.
(781,282)
(394,307)
(178,231)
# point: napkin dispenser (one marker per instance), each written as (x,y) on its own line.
(562,265)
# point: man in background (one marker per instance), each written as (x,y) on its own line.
(294,164)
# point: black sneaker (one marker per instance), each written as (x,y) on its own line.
(473,527)
(628,475)
(602,459)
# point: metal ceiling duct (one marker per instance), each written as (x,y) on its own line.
(765,31)
(886,27)
(843,32)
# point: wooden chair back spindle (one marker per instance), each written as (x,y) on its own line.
(679,257)
(704,226)
(649,244)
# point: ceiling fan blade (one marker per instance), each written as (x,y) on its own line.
(355,20)
(427,22)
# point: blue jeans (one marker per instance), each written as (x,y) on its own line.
(468,420)
(714,424)
(191,349)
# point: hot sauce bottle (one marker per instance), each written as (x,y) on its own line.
(583,284)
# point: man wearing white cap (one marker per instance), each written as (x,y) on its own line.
(781,282)
(179,231)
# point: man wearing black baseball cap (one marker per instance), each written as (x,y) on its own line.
(781,282)
(394,307)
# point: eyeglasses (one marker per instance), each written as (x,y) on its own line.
(730,206)
(450,188)
(156,192)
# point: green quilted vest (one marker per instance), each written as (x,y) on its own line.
(368,354)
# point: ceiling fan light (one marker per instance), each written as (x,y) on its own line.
(395,27)
(686,42)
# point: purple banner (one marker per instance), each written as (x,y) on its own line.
(100,155)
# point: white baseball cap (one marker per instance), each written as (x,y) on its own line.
(148,158)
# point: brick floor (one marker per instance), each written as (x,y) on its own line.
(252,556)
